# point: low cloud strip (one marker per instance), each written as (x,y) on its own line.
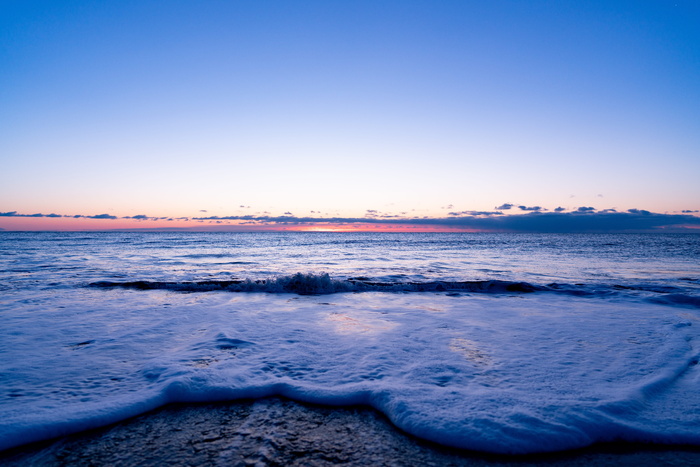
(581,220)
(554,222)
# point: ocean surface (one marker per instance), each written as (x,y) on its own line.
(506,343)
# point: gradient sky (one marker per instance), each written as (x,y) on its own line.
(354,109)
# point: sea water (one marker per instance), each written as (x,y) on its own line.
(507,343)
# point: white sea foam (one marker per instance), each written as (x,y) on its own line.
(508,373)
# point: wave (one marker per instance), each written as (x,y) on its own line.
(677,299)
(321,284)
(207,255)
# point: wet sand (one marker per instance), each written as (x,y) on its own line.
(281,432)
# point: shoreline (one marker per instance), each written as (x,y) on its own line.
(276,431)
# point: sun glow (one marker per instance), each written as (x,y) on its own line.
(378,228)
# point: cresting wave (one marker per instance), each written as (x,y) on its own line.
(321,284)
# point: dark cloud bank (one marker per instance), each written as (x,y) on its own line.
(582,220)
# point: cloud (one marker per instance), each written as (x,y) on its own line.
(584,219)
(476,213)
(688,211)
(504,207)
(591,222)
(16,214)
(638,211)
(530,208)
(559,209)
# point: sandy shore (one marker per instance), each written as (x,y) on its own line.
(281,432)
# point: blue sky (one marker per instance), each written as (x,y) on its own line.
(335,109)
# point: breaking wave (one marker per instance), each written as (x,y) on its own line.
(321,284)
(318,284)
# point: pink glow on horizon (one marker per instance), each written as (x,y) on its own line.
(633,220)
(378,228)
(82,224)
(68,224)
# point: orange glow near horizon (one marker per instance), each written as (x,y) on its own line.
(377,228)
(68,224)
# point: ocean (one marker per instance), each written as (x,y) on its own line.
(501,343)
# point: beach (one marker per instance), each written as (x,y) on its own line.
(277,431)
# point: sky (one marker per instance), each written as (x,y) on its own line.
(340,115)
